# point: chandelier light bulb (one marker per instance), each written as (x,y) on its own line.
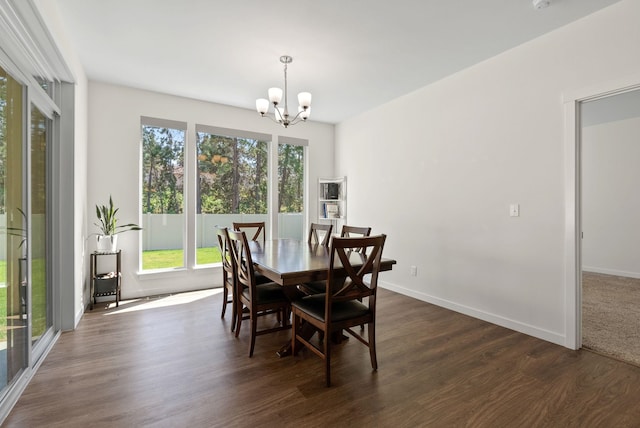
(304,99)
(262,105)
(275,95)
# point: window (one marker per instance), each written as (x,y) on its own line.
(194,181)
(291,188)
(163,219)
(232,184)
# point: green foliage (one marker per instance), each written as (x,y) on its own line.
(291,178)
(232,174)
(163,170)
(108,220)
(5,117)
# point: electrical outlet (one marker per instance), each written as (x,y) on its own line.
(413,271)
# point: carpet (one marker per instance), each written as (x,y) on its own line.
(611,316)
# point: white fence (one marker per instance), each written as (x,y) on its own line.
(164,231)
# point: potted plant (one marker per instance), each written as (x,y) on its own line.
(107,239)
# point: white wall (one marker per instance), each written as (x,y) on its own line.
(437,169)
(611,198)
(114,166)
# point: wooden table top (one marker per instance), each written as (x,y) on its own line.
(292,262)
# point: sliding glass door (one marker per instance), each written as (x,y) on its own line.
(14,342)
(25,285)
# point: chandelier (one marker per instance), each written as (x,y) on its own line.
(281,115)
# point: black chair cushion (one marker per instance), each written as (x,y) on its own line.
(261,279)
(315,287)
(267,293)
(340,311)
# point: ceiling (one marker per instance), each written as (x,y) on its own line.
(352,55)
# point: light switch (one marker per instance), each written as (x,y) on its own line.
(514,210)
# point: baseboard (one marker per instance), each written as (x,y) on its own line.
(549,336)
(78,316)
(614,272)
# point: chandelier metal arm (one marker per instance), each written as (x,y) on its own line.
(285,121)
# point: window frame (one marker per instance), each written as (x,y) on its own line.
(227,132)
(174,125)
(191,182)
(305,199)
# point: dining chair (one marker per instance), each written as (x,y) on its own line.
(316,232)
(256,230)
(340,307)
(228,275)
(259,299)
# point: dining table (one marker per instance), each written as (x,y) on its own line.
(291,262)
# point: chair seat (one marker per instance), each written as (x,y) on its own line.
(266,293)
(261,279)
(340,311)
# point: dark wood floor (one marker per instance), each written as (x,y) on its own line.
(179,366)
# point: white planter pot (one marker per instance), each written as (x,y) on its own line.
(107,243)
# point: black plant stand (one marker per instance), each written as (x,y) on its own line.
(108,283)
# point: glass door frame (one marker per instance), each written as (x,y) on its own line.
(33,94)
(39,348)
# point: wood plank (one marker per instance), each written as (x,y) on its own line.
(173,362)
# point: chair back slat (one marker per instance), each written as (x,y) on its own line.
(239,248)
(225,253)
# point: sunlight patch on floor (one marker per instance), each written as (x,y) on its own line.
(160,301)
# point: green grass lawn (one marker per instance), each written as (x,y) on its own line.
(38,294)
(166,259)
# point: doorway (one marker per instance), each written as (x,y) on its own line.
(609,147)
